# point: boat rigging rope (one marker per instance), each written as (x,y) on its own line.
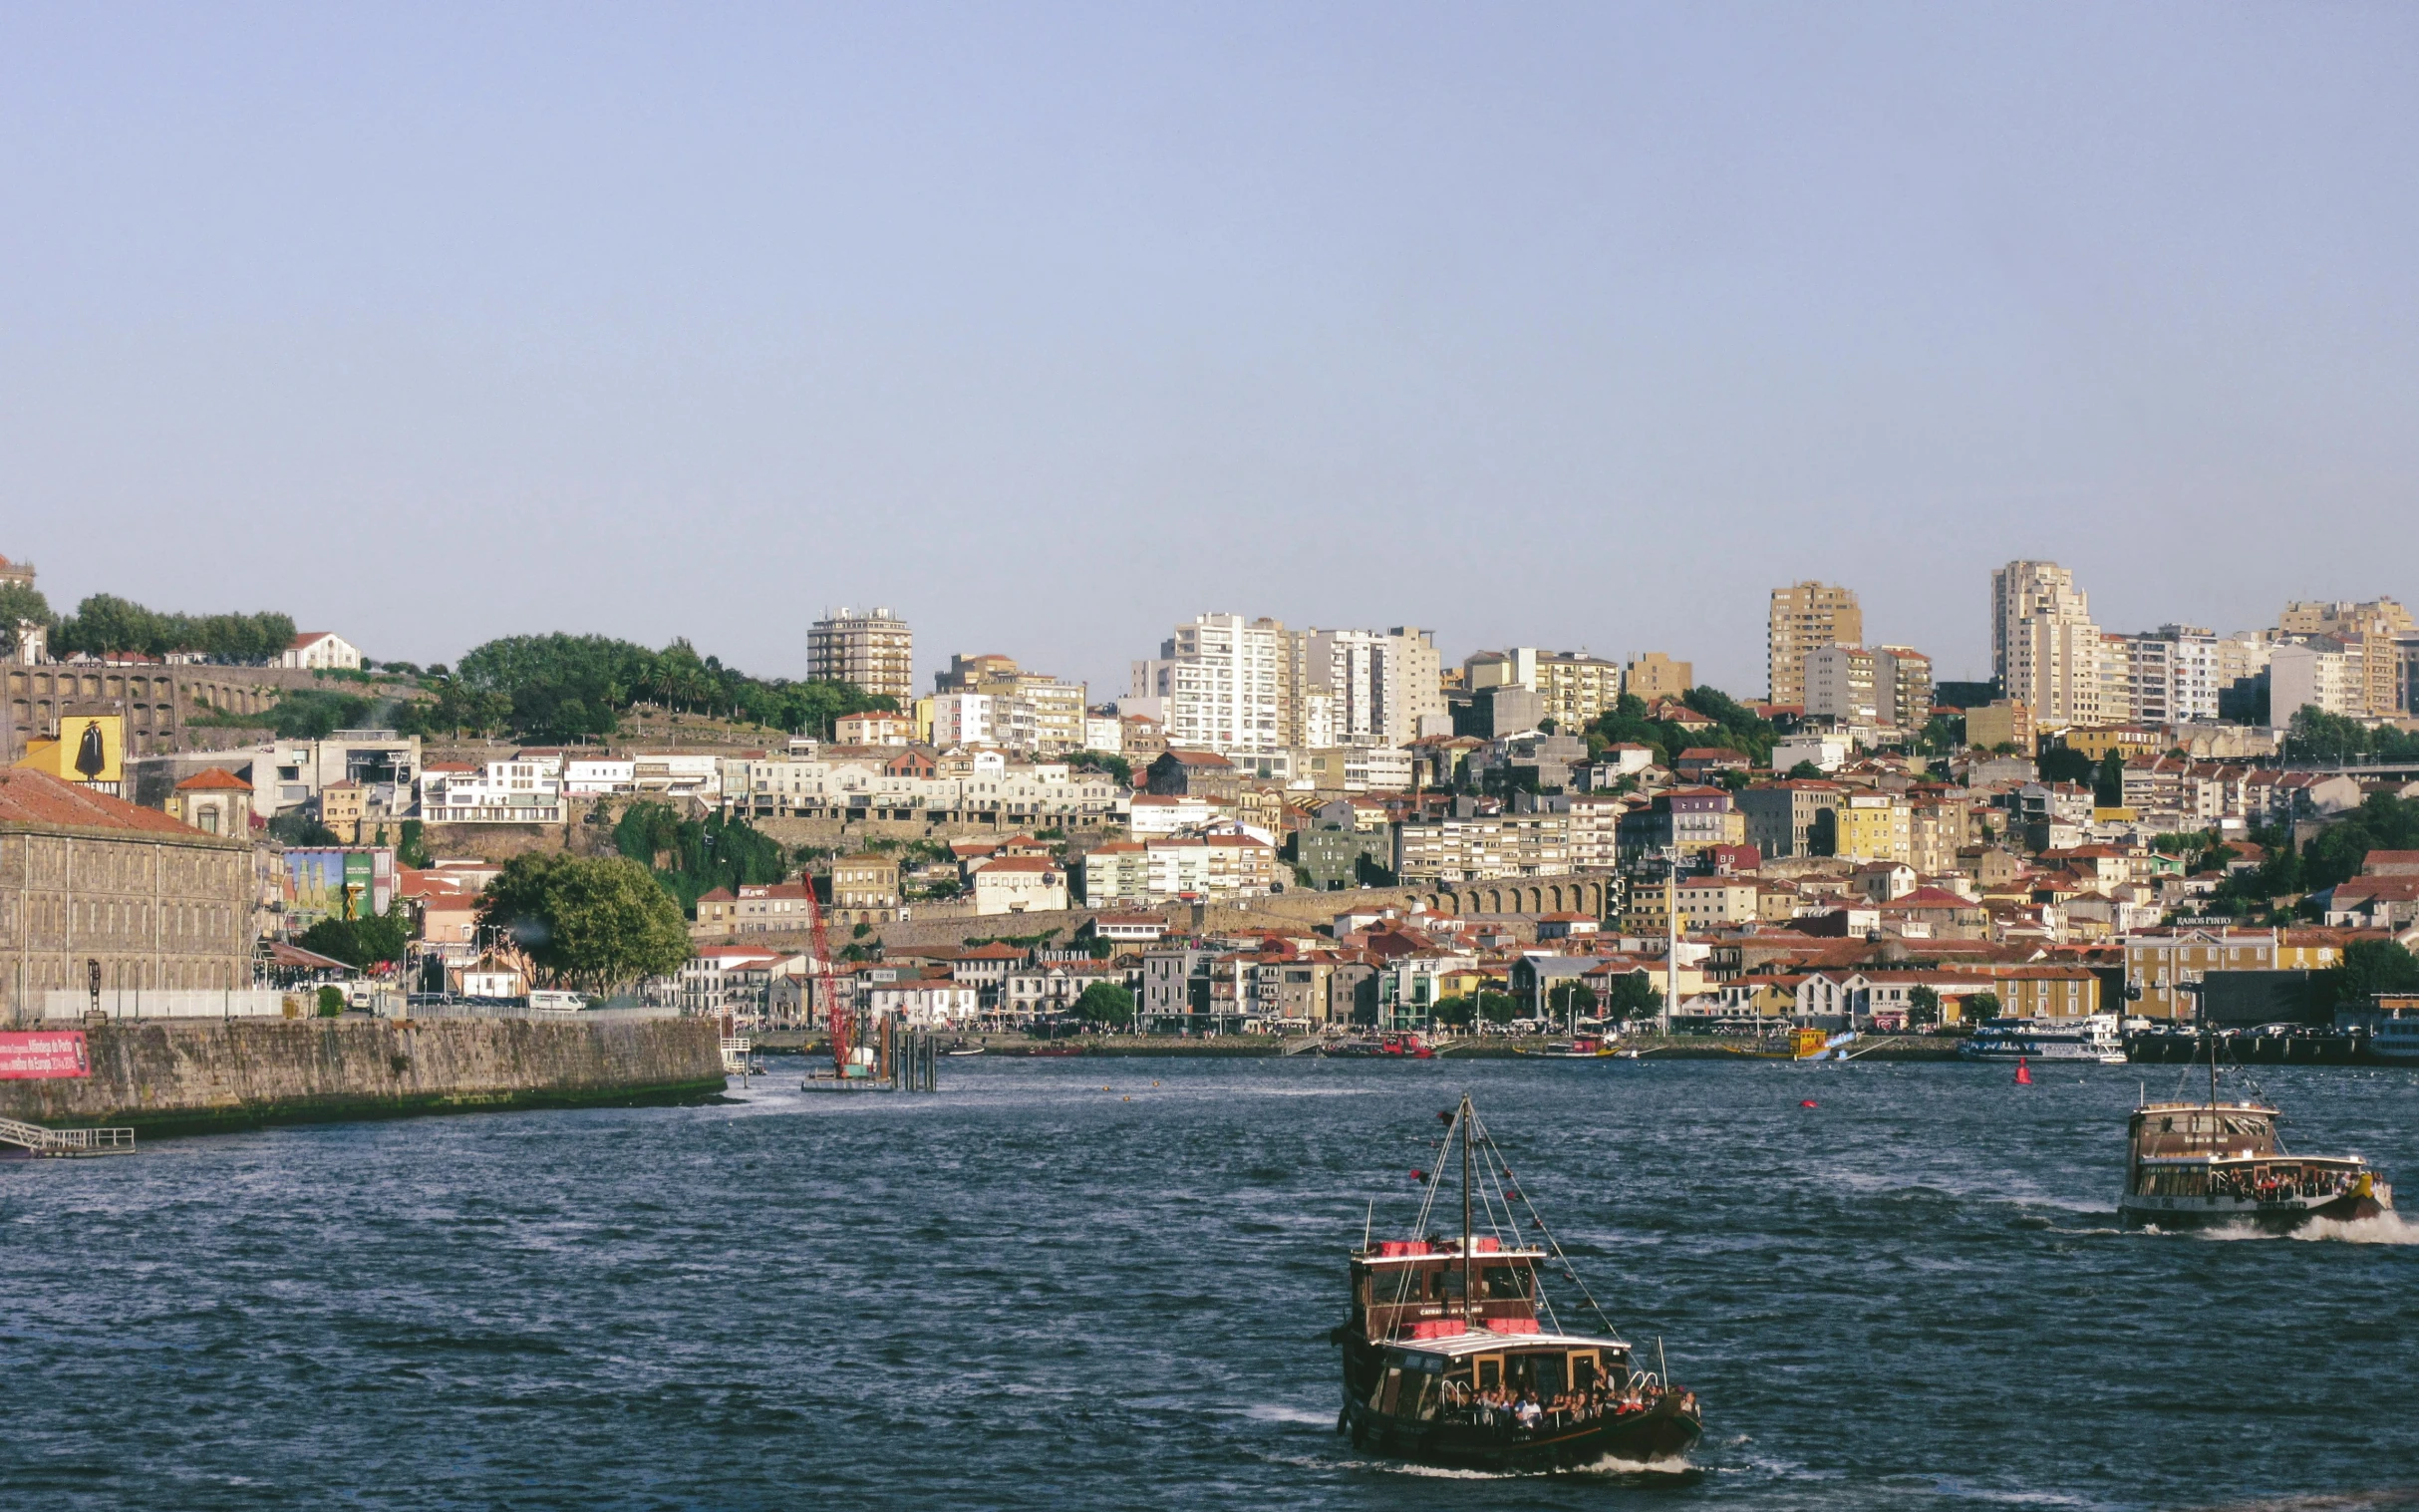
(1569,1272)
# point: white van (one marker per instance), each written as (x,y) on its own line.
(556,1002)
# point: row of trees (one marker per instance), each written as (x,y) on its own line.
(577,686)
(2316,736)
(105,623)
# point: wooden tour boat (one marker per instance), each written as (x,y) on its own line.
(1453,1355)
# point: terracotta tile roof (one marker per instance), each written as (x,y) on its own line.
(216,779)
(35,797)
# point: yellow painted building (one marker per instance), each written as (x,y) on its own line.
(2157,963)
(2097,743)
(1875,826)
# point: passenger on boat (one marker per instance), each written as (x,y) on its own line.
(1529,1412)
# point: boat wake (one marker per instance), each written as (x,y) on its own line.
(2384,1228)
(1275,1412)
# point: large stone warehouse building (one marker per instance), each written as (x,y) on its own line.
(85,877)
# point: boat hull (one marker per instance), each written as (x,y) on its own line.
(1664,1431)
(2273,1217)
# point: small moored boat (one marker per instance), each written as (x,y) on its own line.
(1453,1355)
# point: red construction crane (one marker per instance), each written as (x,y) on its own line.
(823,995)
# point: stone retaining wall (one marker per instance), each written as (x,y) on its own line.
(200,1076)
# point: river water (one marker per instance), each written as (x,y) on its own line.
(1107,1284)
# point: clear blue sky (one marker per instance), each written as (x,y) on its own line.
(1048,326)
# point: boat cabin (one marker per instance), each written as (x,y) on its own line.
(1472,1375)
(2226,1153)
(2201,1129)
(1412,1289)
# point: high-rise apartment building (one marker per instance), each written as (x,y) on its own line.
(2172,676)
(1380,684)
(1901,687)
(1807,617)
(2314,672)
(873,650)
(1837,682)
(2028,590)
(1229,684)
(1221,683)
(2045,651)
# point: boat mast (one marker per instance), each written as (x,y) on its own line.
(1466,1161)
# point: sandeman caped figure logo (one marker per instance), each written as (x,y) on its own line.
(90,758)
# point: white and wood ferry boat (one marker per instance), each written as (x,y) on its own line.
(2096,1037)
(1453,1355)
(2208,1163)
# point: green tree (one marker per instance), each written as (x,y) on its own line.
(1105,1004)
(1982,1006)
(1454,1011)
(1567,1000)
(312,713)
(18,602)
(596,923)
(2371,967)
(331,1001)
(2314,735)
(2336,853)
(2064,763)
(298,829)
(1631,996)
(1117,766)
(410,852)
(104,623)
(693,858)
(2108,784)
(1807,770)
(1498,1008)
(360,942)
(1923,1007)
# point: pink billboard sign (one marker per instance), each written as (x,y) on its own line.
(40,1054)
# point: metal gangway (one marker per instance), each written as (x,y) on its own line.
(67,1141)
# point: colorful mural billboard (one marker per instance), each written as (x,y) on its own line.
(347,883)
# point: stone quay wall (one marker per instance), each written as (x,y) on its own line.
(199,1076)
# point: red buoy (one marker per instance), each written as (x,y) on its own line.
(1808,1102)
(1420,1175)
(2023,1073)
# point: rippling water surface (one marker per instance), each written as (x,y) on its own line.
(1107,1284)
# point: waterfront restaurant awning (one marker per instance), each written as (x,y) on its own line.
(293,958)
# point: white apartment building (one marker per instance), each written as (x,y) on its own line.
(1901,687)
(2318,673)
(1840,682)
(524,789)
(1483,848)
(1236,686)
(594,776)
(1381,683)
(1220,682)
(2172,676)
(962,719)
